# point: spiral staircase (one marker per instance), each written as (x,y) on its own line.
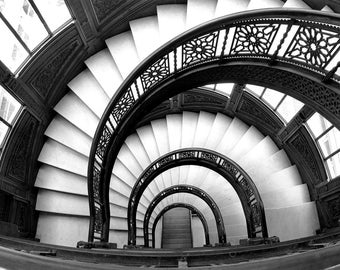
(62,200)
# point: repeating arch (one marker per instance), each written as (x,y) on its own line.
(191,190)
(243,185)
(313,84)
(183,205)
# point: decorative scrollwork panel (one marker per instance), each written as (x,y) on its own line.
(103,142)
(256,215)
(156,73)
(314,46)
(96,184)
(253,39)
(200,49)
(123,105)
(98,224)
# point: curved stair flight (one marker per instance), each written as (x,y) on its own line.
(62,197)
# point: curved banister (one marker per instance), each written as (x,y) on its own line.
(222,238)
(240,181)
(244,36)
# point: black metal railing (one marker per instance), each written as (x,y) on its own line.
(241,182)
(222,238)
(304,42)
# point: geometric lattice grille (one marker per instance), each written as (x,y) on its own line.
(200,49)
(123,105)
(253,38)
(156,72)
(313,46)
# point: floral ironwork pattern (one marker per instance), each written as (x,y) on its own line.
(187,154)
(123,105)
(103,141)
(256,215)
(209,156)
(156,73)
(98,222)
(165,160)
(253,38)
(95,184)
(246,187)
(200,49)
(314,46)
(230,168)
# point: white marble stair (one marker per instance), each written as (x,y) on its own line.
(100,65)
(145,32)
(226,7)
(171,21)
(199,11)
(260,4)
(123,50)
(296,4)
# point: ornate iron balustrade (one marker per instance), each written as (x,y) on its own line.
(291,50)
(191,190)
(183,205)
(243,185)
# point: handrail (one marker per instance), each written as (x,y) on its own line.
(253,36)
(191,190)
(241,182)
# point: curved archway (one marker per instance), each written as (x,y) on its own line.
(191,190)
(184,205)
(301,78)
(243,185)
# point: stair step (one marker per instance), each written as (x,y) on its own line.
(78,113)
(283,179)
(53,178)
(259,4)
(199,11)
(218,129)
(87,88)
(62,203)
(129,160)
(286,197)
(64,132)
(226,7)
(177,229)
(235,131)
(260,152)
(51,229)
(290,222)
(171,20)
(274,163)
(145,34)
(60,156)
(101,64)
(204,125)
(124,53)
(327,9)
(296,4)
(249,140)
